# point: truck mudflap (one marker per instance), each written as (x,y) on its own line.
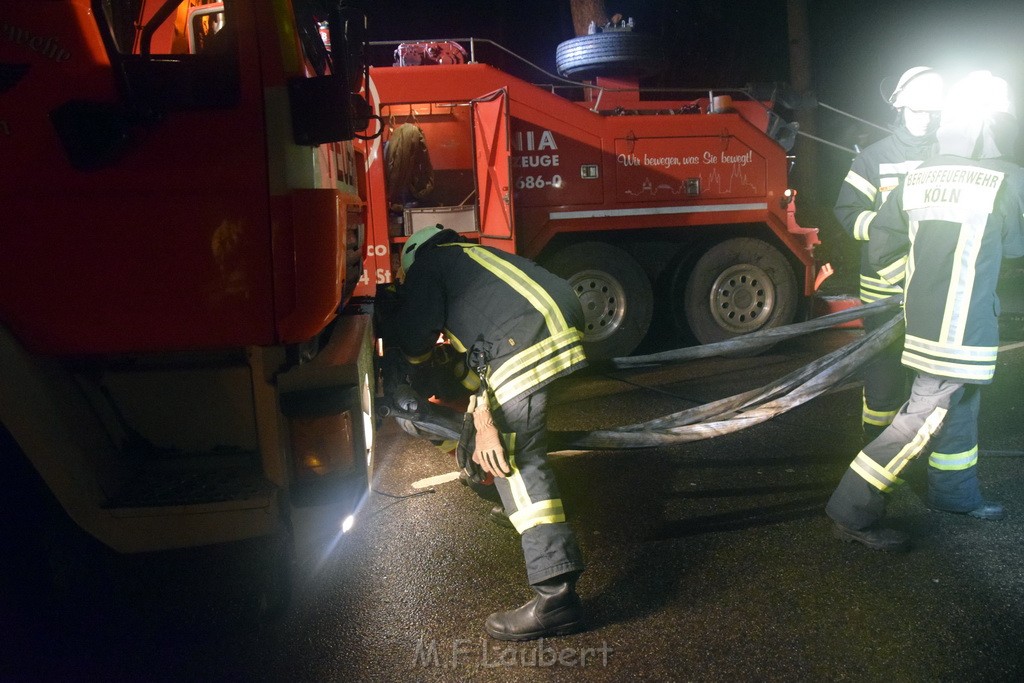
(328,406)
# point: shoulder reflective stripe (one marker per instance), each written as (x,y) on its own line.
(917,444)
(862,185)
(961,283)
(533,354)
(539,374)
(895,271)
(519,281)
(952,462)
(862,224)
(541,512)
(873,473)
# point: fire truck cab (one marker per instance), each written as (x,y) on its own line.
(182,231)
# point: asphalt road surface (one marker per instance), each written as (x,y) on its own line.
(709,561)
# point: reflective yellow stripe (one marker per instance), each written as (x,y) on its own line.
(918,443)
(985,354)
(515,480)
(861,184)
(531,355)
(873,473)
(862,225)
(539,374)
(884,478)
(422,358)
(455,341)
(521,282)
(895,272)
(954,461)
(528,513)
(874,289)
(966,371)
(541,512)
(878,418)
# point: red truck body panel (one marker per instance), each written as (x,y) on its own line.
(630,166)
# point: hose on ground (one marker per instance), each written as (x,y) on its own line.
(723,416)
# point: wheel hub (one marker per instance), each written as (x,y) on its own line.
(604,303)
(742,298)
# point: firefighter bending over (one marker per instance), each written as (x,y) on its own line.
(519,326)
(943,232)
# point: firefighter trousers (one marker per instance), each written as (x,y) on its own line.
(950,465)
(885,384)
(940,413)
(530,494)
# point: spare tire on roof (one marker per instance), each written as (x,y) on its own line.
(610,53)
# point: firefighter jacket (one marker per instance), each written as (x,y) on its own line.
(945,231)
(875,173)
(522,319)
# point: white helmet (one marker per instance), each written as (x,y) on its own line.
(979,119)
(920,88)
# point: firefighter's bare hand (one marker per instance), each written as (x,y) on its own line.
(489,454)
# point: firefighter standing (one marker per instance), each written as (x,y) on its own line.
(943,233)
(873,175)
(518,325)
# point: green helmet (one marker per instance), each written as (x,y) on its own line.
(413,243)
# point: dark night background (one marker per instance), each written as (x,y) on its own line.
(854,47)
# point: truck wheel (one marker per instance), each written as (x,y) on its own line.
(737,286)
(615,294)
(615,53)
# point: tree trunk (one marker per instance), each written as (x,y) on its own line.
(805,170)
(586,11)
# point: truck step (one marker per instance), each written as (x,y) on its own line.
(167,487)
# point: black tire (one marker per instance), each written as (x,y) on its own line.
(614,291)
(615,53)
(737,286)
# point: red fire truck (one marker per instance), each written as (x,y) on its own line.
(181,230)
(665,212)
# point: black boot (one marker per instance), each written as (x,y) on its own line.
(500,517)
(555,611)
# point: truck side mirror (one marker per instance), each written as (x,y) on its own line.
(320,108)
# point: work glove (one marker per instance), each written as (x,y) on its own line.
(489,454)
(405,399)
